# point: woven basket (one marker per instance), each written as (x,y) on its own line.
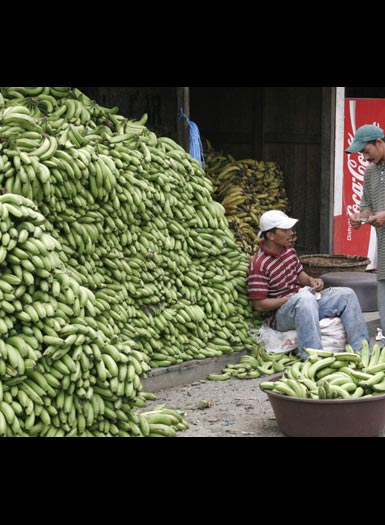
(317,264)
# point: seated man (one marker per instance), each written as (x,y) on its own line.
(276,281)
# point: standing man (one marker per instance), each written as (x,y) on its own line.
(289,298)
(369,140)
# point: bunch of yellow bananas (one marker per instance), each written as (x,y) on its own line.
(215,162)
(246,189)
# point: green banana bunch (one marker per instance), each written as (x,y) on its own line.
(328,375)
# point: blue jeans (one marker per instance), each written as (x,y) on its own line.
(303,313)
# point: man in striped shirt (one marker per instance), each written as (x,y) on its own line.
(289,298)
(369,140)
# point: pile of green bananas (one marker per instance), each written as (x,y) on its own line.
(256,364)
(63,372)
(328,375)
(114,259)
(246,189)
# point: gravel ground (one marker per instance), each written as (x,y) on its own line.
(232,408)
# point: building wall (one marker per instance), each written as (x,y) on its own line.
(281,124)
(227,117)
(160,103)
(365,92)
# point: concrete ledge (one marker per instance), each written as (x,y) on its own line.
(188,372)
(363,283)
(372,327)
(373,322)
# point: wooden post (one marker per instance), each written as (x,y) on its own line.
(183,103)
(327,168)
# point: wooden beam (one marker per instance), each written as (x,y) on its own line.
(291,138)
(183,102)
(327,168)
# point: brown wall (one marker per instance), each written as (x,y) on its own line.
(365,92)
(227,117)
(160,103)
(281,124)
(292,137)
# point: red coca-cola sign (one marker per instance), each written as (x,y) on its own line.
(346,240)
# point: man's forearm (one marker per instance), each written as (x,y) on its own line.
(269,305)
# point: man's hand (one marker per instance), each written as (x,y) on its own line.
(377,220)
(355,221)
(281,301)
(269,304)
(317,284)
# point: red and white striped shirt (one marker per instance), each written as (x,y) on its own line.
(270,275)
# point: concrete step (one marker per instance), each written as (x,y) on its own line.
(373,322)
(188,372)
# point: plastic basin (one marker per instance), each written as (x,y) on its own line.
(297,417)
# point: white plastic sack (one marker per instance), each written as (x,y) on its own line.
(333,334)
(333,337)
(277,342)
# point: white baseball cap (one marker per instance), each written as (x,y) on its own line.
(275,219)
